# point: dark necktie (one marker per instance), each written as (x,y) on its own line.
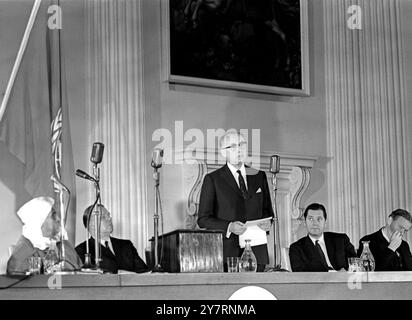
(242,185)
(322,255)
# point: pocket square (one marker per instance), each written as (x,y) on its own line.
(259,190)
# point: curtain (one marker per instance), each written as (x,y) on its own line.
(368,170)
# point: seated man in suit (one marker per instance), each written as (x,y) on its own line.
(41,226)
(234,194)
(116,254)
(391,253)
(319,250)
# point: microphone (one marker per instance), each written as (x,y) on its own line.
(58,183)
(157,157)
(97,152)
(84,175)
(274,164)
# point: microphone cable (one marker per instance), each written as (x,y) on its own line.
(25,277)
(162,220)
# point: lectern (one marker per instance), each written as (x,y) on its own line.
(186,250)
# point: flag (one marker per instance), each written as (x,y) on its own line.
(35,126)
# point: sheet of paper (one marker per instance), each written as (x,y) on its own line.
(255,222)
(255,234)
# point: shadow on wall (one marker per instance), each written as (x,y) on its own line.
(316,192)
(12,196)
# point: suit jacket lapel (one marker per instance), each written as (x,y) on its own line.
(252,181)
(309,247)
(230,179)
(330,248)
(314,254)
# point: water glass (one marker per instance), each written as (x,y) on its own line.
(232,264)
(34,265)
(355,265)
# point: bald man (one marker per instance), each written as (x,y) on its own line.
(116,254)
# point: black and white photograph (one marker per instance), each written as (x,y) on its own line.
(206,155)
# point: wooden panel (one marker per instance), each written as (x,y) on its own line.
(191,251)
(201,252)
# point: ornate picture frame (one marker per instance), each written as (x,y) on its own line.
(256,46)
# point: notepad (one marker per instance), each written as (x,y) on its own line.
(254,233)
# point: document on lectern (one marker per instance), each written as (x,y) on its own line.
(254,233)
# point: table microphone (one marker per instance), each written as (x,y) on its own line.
(157,157)
(97,152)
(274,164)
(84,175)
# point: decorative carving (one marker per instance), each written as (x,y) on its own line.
(299,181)
(194,172)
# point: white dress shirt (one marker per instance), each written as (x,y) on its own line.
(384,235)
(234,170)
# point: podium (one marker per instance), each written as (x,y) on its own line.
(186,250)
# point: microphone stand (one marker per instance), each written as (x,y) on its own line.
(156,267)
(62,217)
(276,235)
(97,217)
(60,189)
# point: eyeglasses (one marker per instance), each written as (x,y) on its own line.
(236,145)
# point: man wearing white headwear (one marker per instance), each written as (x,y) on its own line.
(41,225)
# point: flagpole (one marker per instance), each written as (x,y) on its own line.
(19,57)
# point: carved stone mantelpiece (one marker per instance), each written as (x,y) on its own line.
(292,181)
(193,175)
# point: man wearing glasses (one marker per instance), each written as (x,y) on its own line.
(116,254)
(391,253)
(235,194)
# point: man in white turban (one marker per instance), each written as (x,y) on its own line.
(41,225)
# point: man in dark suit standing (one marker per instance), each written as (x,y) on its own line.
(319,250)
(116,254)
(235,194)
(390,252)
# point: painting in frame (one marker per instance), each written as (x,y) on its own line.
(248,45)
